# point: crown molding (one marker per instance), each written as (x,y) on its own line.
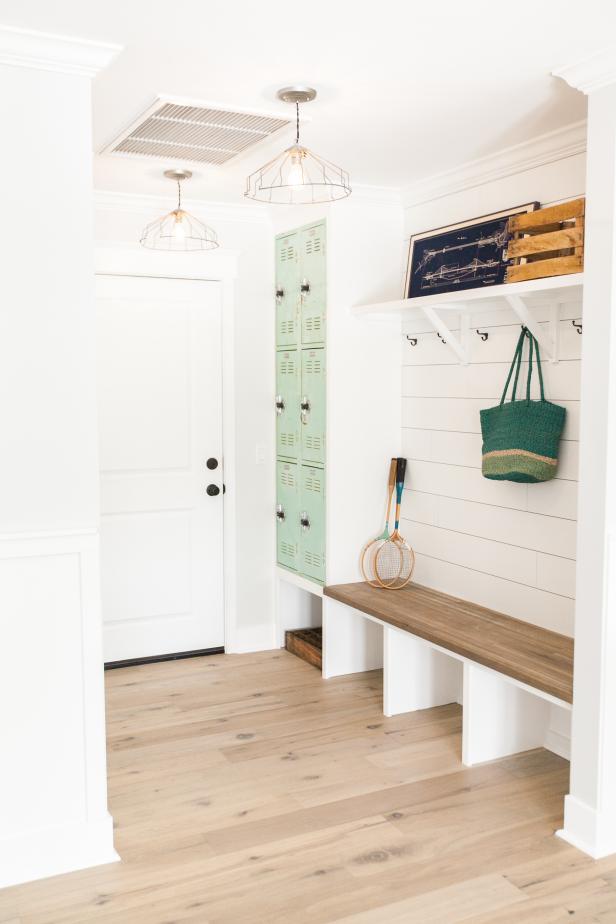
(591,73)
(544,149)
(60,53)
(110,200)
(382,195)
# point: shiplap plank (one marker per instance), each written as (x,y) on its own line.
(465,483)
(556,575)
(526,603)
(561,381)
(551,535)
(554,498)
(462,414)
(510,562)
(465,449)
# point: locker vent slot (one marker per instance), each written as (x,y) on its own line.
(287,439)
(313,324)
(313,442)
(313,483)
(287,253)
(313,245)
(313,559)
(313,366)
(287,479)
(287,548)
(287,327)
(287,367)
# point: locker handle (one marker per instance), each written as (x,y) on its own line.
(305,409)
(280,514)
(279,294)
(279,404)
(304,520)
(304,286)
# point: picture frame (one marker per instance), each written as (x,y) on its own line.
(467,255)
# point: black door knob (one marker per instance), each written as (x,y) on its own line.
(212,463)
(212,490)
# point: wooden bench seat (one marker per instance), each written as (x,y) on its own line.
(534,656)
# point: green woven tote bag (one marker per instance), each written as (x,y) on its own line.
(520,438)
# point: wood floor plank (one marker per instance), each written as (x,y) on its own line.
(327,813)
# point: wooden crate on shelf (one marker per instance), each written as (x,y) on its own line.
(306,644)
(548,242)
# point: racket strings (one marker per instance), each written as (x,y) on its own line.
(394,563)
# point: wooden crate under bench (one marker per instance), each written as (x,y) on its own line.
(306,644)
(547,242)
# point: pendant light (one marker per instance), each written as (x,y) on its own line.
(179,230)
(297,176)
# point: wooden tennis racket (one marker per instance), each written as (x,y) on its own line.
(394,559)
(366,561)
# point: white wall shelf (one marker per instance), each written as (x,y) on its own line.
(519,297)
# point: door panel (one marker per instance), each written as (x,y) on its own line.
(160,419)
(287,508)
(312,512)
(287,389)
(313,395)
(287,291)
(313,283)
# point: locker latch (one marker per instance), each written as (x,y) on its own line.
(305,409)
(279,404)
(304,286)
(280,514)
(304,520)
(279,294)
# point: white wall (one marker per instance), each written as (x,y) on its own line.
(120,219)
(506,546)
(52,770)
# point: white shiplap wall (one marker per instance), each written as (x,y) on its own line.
(503,545)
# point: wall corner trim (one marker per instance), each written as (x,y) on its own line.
(60,53)
(591,73)
(536,152)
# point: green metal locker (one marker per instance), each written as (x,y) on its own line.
(312,283)
(312,523)
(287,514)
(287,403)
(312,405)
(287,290)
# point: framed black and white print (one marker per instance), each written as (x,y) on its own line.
(468,255)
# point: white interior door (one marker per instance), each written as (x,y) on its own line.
(160,421)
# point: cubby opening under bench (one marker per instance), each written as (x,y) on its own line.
(513,679)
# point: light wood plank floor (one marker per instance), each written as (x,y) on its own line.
(247,790)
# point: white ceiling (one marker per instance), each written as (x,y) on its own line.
(406,89)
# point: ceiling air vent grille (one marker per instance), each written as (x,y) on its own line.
(172,130)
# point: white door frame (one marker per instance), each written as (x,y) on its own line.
(124,259)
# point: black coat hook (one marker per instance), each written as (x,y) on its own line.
(483,334)
(577,325)
(440,338)
(411,340)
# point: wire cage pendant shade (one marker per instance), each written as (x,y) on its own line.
(297,176)
(178,231)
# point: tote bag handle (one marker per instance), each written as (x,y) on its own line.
(517,364)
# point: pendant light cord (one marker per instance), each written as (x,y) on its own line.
(179,196)
(297,128)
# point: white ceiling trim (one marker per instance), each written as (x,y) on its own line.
(544,149)
(43,51)
(592,73)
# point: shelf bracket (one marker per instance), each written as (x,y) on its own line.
(459,346)
(547,341)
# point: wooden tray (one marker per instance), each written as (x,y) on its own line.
(306,644)
(548,242)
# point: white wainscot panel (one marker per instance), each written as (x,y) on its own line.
(556,575)
(526,603)
(554,498)
(510,562)
(464,483)
(146,558)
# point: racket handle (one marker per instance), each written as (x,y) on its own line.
(401,471)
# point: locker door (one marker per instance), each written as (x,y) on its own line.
(287,514)
(287,404)
(312,523)
(312,283)
(287,290)
(312,405)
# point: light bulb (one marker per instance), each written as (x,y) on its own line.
(178,229)
(296,173)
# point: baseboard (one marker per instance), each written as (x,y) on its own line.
(252,638)
(154,659)
(587,830)
(44,852)
(558,743)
